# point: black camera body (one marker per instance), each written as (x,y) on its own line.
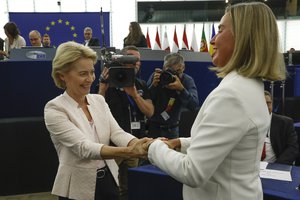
(119,75)
(167,77)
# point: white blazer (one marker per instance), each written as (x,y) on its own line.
(73,139)
(221,158)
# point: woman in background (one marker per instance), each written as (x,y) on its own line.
(14,40)
(135,36)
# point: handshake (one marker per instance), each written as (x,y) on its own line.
(139,147)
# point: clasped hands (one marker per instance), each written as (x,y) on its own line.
(139,147)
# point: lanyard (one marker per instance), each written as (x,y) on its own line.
(133,105)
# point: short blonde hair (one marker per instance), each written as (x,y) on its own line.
(256,52)
(66,54)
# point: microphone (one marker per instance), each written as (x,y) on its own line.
(125,59)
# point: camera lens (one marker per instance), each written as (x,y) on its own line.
(166,78)
(121,76)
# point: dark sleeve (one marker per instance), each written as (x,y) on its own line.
(96,42)
(152,89)
(290,152)
(189,95)
(149,82)
(143,42)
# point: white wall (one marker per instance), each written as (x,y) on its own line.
(125,11)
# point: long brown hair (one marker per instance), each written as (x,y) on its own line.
(135,35)
(12,29)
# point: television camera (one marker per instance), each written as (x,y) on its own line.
(119,74)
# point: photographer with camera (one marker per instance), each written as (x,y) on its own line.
(171,91)
(130,107)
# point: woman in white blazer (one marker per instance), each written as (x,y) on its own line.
(81,127)
(221,158)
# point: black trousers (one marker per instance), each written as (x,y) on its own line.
(106,187)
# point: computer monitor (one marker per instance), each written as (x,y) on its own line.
(32,53)
(295,58)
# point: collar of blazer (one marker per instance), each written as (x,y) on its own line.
(72,101)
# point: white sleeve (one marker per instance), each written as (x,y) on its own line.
(212,139)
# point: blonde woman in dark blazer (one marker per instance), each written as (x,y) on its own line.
(221,158)
(81,127)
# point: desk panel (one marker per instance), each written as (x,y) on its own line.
(150,183)
(26,86)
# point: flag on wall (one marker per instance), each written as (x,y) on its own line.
(203,47)
(166,45)
(62,27)
(212,35)
(185,44)
(157,45)
(194,45)
(175,42)
(148,39)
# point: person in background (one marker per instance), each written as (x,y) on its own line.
(172,91)
(131,106)
(221,159)
(89,40)
(13,40)
(46,41)
(135,36)
(281,143)
(292,50)
(81,127)
(35,38)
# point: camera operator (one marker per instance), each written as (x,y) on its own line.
(171,91)
(130,106)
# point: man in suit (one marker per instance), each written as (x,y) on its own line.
(47,41)
(35,38)
(281,144)
(89,40)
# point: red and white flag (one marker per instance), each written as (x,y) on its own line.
(157,45)
(166,45)
(194,45)
(148,39)
(185,44)
(175,47)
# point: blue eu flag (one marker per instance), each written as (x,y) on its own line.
(62,27)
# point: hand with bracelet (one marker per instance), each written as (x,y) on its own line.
(172,144)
